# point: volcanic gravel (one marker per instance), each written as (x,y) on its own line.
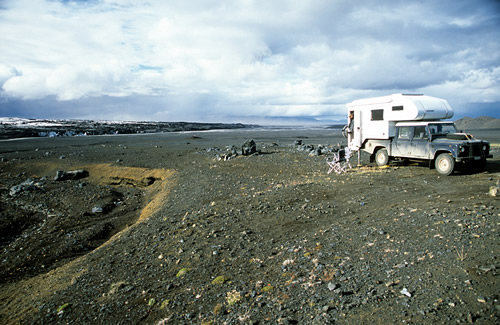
(181,228)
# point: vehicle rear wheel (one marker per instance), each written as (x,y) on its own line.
(382,157)
(445,164)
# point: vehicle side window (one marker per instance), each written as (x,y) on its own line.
(420,133)
(404,132)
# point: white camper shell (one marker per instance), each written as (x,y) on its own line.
(375,118)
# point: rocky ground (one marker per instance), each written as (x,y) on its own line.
(180,228)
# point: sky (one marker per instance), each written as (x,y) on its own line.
(243,60)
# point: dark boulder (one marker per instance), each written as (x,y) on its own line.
(248,148)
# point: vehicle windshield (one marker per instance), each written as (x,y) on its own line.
(442,128)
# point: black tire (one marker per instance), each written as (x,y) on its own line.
(381,157)
(445,164)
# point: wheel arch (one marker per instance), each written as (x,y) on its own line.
(440,151)
(377,148)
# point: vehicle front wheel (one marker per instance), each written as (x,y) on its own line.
(382,157)
(445,164)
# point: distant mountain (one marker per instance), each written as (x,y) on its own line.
(286,120)
(482,122)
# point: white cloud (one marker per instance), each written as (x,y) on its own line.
(6,73)
(246,57)
(31,86)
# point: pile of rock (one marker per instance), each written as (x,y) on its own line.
(28,185)
(318,150)
(31,184)
(248,148)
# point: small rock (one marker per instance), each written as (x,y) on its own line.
(97,210)
(494,190)
(331,286)
(405,292)
(315,152)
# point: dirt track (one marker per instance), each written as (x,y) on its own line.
(269,238)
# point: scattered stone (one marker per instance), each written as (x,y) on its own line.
(405,292)
(231,152)
(332,286)
(260,229)
(212,149)
(62,175)
(494,189)
(26,186)
(315,152)
(306,147)
(97,210)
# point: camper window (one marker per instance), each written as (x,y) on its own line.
(397,108)
(377,115)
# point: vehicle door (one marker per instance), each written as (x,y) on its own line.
(402,142)
(420,144)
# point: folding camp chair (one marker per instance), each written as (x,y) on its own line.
(340,162)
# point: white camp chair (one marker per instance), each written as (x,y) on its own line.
(340,161)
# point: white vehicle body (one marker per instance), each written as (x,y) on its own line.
(376,118)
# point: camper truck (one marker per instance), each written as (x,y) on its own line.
(412,127)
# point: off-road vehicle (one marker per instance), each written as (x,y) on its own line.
(412,127)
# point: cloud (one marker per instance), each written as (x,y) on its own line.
(210,59)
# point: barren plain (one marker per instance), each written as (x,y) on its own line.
(161,229)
